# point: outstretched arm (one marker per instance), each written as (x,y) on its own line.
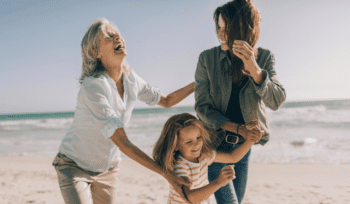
(176,96)
(121,140)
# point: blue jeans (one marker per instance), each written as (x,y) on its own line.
(233,192)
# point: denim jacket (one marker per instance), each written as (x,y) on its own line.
(213,90)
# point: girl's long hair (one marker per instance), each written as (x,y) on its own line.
(242,19)
(164,151)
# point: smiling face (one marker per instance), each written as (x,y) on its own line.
(111,47)
(222,34)
(190,143)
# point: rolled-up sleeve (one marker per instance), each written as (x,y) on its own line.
(271,90)
(147,93)
(204,104)
(96,100)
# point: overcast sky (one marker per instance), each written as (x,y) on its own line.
(40,52)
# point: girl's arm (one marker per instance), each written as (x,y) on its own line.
(200,194)
(177,96)
(236,155)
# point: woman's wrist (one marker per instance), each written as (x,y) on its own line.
(242,131)
(230,126)
(257,76)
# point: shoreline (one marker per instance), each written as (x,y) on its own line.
(32,179)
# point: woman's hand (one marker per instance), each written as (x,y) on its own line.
(246,53)
(176,182)
(254,124)
(251,131)
(176,96)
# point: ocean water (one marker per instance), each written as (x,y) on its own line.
(301,132)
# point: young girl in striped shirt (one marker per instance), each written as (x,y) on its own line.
(183,149)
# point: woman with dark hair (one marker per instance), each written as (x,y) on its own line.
(89,155)
(234,82)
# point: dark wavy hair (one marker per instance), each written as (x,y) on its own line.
(242,19)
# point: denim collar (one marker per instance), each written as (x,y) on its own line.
(223,55)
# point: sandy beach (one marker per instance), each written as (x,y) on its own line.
(32,179)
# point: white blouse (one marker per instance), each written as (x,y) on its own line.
(99,113)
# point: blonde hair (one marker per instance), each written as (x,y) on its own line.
(164,151)
(92,66)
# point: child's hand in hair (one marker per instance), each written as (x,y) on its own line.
(227,174)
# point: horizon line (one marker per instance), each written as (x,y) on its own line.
(184,106)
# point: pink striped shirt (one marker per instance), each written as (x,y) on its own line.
(197,173)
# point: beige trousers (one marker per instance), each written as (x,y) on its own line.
(79,186)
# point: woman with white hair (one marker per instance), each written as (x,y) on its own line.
(89,154)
